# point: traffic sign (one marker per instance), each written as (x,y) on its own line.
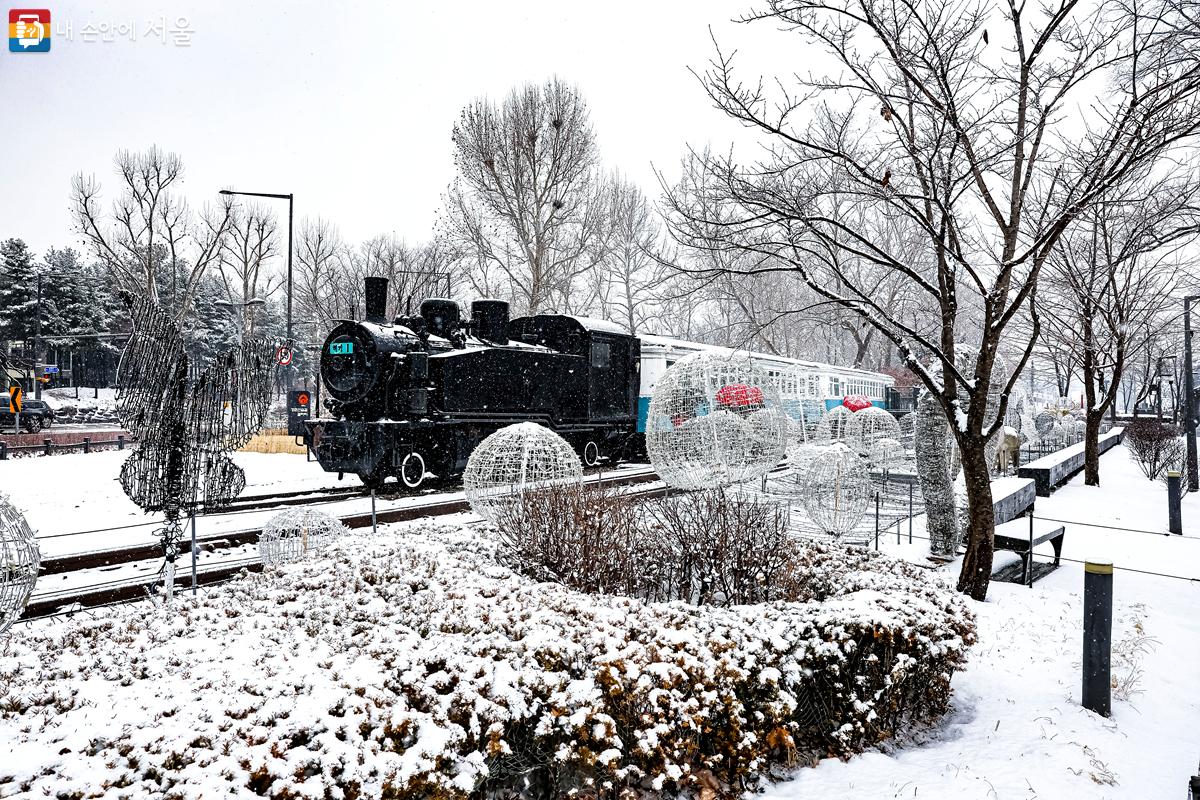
(284,356)
(50,369)
(15,400)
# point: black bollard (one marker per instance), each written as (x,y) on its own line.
(1174,512)
(1097,637)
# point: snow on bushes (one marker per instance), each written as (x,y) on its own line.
(417,667)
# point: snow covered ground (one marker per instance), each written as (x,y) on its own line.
(1017,729)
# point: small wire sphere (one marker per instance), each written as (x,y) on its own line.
(832,426)
(1044,422)
(20,560)
(868,426)
(836,489)
(715,420)
(293,534)
(514,460)
(886,454)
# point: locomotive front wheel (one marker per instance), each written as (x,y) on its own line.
(591,454)
(412,470)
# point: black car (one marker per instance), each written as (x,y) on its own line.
(35,415)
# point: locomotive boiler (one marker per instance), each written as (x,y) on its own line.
(411,398)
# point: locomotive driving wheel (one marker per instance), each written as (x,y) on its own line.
(412,470)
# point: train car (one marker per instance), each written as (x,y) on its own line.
(411,398)
(806,388)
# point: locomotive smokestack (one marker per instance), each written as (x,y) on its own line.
(377,300)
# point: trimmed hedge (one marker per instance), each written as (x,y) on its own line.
(416,667)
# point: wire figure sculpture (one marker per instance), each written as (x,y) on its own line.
(293,534)
(514,460)
(20,560)
(186,418)
(715,420)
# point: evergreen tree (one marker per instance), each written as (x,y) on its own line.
(18,292)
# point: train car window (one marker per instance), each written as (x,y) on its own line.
(600,355)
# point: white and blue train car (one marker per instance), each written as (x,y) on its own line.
(806,388)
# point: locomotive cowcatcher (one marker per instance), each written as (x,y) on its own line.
(412,398)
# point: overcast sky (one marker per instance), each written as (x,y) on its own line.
(349,106)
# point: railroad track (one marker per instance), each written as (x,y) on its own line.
(136,587)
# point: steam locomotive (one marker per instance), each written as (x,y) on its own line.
(411,398)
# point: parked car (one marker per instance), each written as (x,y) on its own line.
(35,415)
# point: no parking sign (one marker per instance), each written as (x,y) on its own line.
(284,355)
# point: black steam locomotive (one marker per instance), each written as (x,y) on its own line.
(413,397)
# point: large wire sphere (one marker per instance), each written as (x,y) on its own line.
(20,560)
(836,489)
(294,534)
(886,453)
(514,460)
(868,426)
(833,426)
(715,420)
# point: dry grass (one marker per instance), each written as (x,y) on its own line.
(274,440)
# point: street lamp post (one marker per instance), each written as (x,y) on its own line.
(291,200)
(1189,403)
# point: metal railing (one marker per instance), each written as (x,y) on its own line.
(49,446)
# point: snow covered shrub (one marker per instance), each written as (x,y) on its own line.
(1156,446)
(414,666)
(714,547)
(580,535)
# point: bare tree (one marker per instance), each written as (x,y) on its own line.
(150,230)
(966,140)
(529,205)
(630,268)
(325,291)
(1108,290)
(251,244)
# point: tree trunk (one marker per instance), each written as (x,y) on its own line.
(1091,448)
(981,523)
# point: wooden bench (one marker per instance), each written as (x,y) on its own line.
(1021,536)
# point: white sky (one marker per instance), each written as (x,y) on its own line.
(349,106)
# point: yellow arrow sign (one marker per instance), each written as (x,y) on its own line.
(14,399)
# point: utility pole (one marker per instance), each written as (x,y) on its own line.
(37,342)
(1189,419)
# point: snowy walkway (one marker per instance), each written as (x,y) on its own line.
(1017,729)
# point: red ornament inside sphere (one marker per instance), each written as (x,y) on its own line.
(739,395)
(856,402)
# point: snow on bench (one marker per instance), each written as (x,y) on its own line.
(1021,536)
(1051,471)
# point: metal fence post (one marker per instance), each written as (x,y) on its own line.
(876,520)
(1174,512)
(3,451)
(374,525)
(910,512)
(121,441)
(87,444)
(1029,559)
(1097,637)
(47,445)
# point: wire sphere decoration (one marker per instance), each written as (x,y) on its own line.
(868,426)
(836,490)
(1044,423)
(833,426)
(886,454)
(293,534)
(20,560)
(514,460)
(715,420)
